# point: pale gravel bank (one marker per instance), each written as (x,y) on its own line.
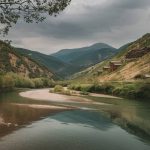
(44,94)
(37,106)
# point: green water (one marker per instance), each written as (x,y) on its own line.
(122,125)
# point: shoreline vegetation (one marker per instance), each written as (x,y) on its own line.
(9,81)
(138,89)
(58,89)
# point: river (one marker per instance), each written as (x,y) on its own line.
(27,124)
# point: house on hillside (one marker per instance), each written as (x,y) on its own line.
(114,65)
(106,68)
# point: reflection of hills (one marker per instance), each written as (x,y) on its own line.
(135,130)
(128,120)
(13,117)
(85,118)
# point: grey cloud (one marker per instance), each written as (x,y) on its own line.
(114,21)
(131,4)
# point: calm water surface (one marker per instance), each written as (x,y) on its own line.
(123,125)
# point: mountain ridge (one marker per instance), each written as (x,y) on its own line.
(133,60)
(86,56)
(60,68)
(96,45)
(64,69)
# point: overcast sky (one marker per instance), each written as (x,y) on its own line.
(86,22)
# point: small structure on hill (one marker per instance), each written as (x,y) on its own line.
(114,65)
(106,68)
(147,76)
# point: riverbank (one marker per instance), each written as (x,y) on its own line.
(133,90)
(44,94)
(9,81)
(42,120)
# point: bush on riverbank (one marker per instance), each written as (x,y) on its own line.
(95,88)
(60,90)
(138,90)
(144,91)
(6,83)
(10,80)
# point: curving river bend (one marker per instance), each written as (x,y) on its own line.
(27,124)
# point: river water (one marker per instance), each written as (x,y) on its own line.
(120,125)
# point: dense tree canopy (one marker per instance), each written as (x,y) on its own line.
(29,10)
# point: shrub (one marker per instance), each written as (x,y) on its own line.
(47,82)
(38,83)
(10,80)
(24,82)
(84,93)
(143,91)
(58,89)
(6,82)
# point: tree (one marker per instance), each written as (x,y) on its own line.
(30,10)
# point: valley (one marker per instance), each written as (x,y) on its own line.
(74,75)
(100,65)
(94,89)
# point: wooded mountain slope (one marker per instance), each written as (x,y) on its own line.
(86,56)
(11,61)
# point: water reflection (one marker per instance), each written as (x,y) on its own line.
(66,131)
(85,118)
(14,113)
(131,116)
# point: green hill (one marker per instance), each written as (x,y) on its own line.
(134,59)
(86,56)
(68,62)
(12,61)
(60,68)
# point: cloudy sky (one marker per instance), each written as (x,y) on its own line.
(86,22)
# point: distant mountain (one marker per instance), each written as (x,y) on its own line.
(71,61)
(131,62)
(86,56)
(57,66)
(12,61)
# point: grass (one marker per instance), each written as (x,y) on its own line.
(135,90)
